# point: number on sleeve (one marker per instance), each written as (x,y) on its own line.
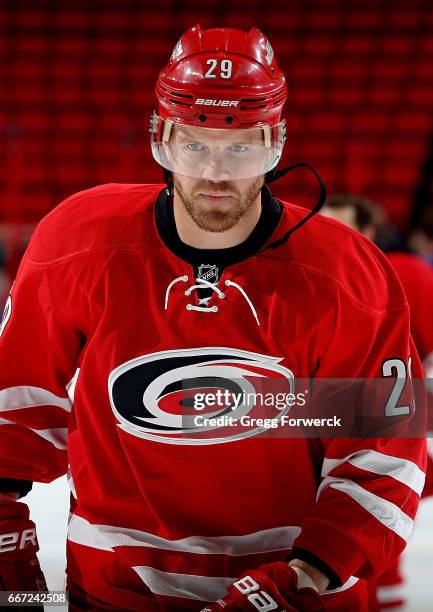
(397,369)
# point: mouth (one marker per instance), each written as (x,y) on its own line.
(216,197)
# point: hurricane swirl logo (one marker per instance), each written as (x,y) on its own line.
(154,396)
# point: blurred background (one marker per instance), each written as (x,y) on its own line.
(76,93)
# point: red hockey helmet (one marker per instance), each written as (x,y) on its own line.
(222,78)
(218,80)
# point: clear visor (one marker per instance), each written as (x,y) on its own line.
(216,154)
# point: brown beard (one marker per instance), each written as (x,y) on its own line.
(218,221)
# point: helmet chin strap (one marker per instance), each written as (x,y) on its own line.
(275,174)
(168,178)
(270,177)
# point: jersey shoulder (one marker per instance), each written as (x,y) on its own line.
(112,214)
(411,267)
(416,276)
(326,248)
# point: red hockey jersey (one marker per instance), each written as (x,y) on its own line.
(159,521)
(416,276)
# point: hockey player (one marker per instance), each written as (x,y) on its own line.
(416,276)
(131,299)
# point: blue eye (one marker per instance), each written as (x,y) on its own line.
(239,148)
(194,147)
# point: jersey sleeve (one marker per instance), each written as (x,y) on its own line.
(369,487)
(38,358)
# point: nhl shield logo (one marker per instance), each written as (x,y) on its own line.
(208,273)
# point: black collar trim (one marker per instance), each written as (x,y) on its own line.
(266,225)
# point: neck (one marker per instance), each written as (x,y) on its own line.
(196,237)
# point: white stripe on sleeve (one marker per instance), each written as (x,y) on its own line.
(17,398)
(403,470)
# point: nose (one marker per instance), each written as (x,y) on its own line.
(216,167)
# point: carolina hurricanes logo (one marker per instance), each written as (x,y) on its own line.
(153,396)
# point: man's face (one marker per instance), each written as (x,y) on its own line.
(215,201)
(217,206)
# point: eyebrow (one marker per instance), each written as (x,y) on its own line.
(185,135)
